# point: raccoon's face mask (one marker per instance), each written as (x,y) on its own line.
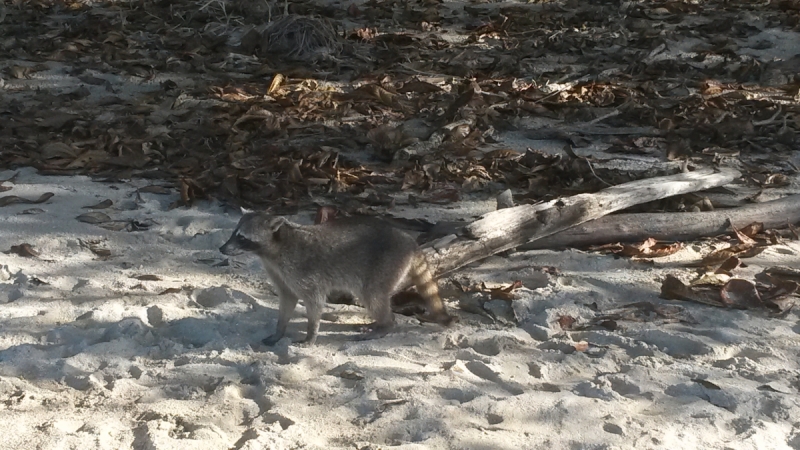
(255,232)
(238,244)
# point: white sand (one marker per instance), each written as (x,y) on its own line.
(93,358)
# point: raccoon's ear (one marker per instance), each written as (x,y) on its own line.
(276,223)
(245,210)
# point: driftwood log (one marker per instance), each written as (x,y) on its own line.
(672,226)
(508,228)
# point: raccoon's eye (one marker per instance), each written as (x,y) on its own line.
(245,243)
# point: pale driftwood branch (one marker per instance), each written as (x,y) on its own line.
(511,227)
(672,226)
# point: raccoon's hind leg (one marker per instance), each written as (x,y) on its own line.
(314,306)
(380,310)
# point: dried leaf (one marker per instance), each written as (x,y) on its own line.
(566,322)
(743,238)
(13,199)
(753,229)
(650,248)
(101,252)
(276,82)
(729,265)
(739,293)
(712,279)
(102,205)
(325,214)
(94,218)
(505,293)
(147,277)
(154,189)
(32,211)
(581,346)
(170,291)
(718,257)
(674,289)
(706,384)
(25,250)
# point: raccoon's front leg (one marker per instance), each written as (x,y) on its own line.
(288,302)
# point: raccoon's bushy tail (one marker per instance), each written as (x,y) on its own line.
(427,288)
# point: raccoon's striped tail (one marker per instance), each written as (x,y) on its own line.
(426,287)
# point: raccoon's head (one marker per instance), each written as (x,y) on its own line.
(255,232)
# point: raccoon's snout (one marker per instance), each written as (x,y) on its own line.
(231,248)
(239,244)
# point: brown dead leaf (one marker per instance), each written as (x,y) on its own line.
(26,250)
(783,272)
(741,294)
(264,119)
(706,384)
(782,293)
(101,252)
(90,158)
(102,205)
(650,248)
(295,174)
(712,279)
(743,238)
(275,84)
(419,87)
(387,137)
(752,251)
(505,293)
(364,34)
(155,189)
(443,196)
(607,248)
(186,193)
(94,218)
(729,265)
(414,179)
(172,290)
(581,346)
(718,257)
(776,180)
(566,322)
(147,277)
(325,214)
(753,229)
(95,246)
(674,289)
(13,199)
(55,120)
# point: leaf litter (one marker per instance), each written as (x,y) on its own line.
(407,104)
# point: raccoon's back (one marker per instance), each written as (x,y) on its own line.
(366,236)
(353,247)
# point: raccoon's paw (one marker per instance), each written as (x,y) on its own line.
(309,341)
(443,318)
(272,340)
(373,331)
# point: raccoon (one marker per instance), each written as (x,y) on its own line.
(364,257)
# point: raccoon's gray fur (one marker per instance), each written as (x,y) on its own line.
(364,257)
